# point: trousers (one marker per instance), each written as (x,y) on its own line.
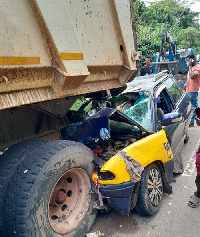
(197,181)
(194,104)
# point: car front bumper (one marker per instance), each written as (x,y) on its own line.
(119,196)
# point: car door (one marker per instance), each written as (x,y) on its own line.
(165,104)
(173,100)
(181,104)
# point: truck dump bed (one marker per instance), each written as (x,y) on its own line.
(58,48)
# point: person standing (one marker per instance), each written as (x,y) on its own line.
(195,198)
(147,68)
(193,84)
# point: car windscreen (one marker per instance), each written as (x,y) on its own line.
(139,110)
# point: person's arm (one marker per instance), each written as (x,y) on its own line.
(192,74)
(184,87)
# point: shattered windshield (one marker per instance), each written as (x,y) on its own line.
(139,110)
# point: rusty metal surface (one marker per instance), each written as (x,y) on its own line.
(30,96)
(13,99)
(25,78)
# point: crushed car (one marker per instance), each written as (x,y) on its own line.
(136,138)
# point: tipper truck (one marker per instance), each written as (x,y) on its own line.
(52,52)
(79,131)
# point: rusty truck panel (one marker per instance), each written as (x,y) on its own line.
(56,49)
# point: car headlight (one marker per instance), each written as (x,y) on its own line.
(106,175)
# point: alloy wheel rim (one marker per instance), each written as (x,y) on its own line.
(155,187)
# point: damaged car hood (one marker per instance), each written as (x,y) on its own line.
(101,124)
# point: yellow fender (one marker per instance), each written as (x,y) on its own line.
(152,148)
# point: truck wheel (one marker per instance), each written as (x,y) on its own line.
(10,159)
(50,194)
(150,192)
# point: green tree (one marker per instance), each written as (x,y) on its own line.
(171,12)
(140,11)
(171,15)
(189,38)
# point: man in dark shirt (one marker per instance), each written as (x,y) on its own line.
(147,68)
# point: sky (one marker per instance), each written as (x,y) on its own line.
(195,7)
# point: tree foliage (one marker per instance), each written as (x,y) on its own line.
(171,15)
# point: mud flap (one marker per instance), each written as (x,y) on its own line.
(166,187)
(178,164)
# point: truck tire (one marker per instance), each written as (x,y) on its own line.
(150,192)
(50,193)
(10,160)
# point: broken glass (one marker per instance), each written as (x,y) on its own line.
(139,110)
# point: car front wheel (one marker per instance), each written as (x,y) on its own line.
(151,191)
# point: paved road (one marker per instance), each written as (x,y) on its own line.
(175,218)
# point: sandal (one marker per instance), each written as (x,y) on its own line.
(193,201)
(197,121)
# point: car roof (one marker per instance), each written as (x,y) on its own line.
(145,83)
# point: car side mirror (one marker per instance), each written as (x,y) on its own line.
(171,118)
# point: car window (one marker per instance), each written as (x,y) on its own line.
(140,111)
(174,91)
(164,106)
(165,102)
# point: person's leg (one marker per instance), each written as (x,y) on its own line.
(195,198)
(194,104)
(197,181)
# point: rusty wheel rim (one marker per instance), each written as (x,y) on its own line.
(69,201)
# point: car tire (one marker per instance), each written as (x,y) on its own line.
(10,160)
(150,191)
(50,194)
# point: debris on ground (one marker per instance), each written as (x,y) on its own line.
(95,234)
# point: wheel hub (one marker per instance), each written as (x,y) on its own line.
(60,196)
(69,201)
(154,186)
